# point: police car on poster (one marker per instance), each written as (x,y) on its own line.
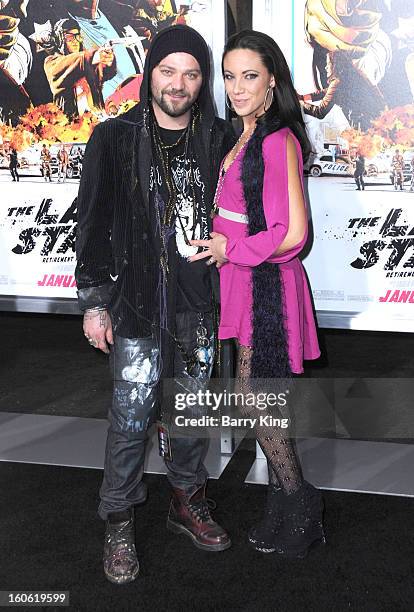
(320,165)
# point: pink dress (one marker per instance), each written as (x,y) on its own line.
(244,252)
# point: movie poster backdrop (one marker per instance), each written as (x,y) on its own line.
(353,68)
(65,66)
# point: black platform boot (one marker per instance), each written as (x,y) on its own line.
(120,556)
(302,526)
(262,536)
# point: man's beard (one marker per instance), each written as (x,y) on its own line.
(169,108)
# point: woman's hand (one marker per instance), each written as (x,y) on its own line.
(215,249)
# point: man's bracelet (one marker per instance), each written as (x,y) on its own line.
(95,309)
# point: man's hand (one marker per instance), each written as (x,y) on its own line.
(8,35)
(104,56)
(215,249)
(11,11)
(97,328)
(14,8)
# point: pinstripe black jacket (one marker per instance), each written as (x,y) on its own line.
(116,248)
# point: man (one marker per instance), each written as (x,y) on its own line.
(102,21)
(359,172)
(13,164)
(76,76)
(146,190)
(369,33)
(352,27)
(150,17)
(112,109)
(397,167)
(63,159)
(46,159)
(76,159)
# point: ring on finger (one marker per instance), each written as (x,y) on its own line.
(211,261)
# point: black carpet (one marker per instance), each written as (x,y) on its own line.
(51,537)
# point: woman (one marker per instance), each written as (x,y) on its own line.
(350,89)
(259,229)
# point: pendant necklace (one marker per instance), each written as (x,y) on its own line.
(224,170)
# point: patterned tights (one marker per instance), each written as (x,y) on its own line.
(283,464)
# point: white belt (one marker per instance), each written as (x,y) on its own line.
(232,216)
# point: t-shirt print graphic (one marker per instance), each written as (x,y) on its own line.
(191,217)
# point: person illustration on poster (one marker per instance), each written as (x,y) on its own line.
(335,150)
(397,22)
(352,27)
(153,15)
(76,76)
(15,61)
(112,109)
(63,159)
(397,169)
(13,164)
(359,172)
(350,89)
(117,25)
(15,52)
(361,50)
(76,159)
(46,159)
(97,27)
(412,173)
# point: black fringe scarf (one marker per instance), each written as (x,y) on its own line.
(270,357)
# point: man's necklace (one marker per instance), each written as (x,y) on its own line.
(166,147)
(233,154)
(175,190)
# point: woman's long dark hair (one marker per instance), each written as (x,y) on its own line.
(285,109)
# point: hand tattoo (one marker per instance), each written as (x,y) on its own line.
(102,318)
(92,313)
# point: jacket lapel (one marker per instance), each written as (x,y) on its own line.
(143,160)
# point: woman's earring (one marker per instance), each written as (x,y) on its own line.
(229,106)
(269,89)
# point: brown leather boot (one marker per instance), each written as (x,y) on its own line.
(190,514)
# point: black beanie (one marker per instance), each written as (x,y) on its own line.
(179,39)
